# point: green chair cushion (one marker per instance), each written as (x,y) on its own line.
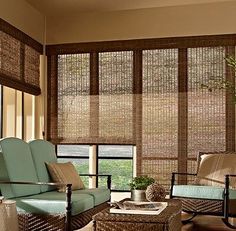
(6,190)
(202,192)
(19,166)
(53,202)
(99,195)
(43,151)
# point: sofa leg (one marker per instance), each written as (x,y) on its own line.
(189,219)
(68,208)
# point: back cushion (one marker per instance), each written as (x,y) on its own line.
(42,152)
(214,167)
(19,166)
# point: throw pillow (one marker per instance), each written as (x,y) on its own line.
(214,167)
(65,173)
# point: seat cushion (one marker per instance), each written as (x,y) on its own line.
(53,202)
(99,195)
(65,173)
(19,166)
(214,167)
(203,192)
(42,152)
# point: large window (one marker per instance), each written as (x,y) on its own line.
(147,94)
(116,160)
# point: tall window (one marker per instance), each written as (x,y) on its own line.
(149,95)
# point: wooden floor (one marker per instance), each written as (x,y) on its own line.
(206,223)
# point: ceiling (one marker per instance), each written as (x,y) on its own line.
(67,7)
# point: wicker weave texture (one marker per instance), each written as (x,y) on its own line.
(202,206)
(35,222)
(168,220)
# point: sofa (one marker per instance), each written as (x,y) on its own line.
(25,179)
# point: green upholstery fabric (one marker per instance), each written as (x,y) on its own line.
(204,192)
(99,195)
(20,166)
(53,202)
(6,190)
(43,151)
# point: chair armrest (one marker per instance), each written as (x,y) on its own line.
(173,179)
(101,175)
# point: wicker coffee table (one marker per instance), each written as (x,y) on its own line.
(167,220)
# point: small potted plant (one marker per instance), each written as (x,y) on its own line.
(138,187)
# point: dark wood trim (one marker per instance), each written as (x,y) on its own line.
(142,44)
(94,92)
(52,95)
(21,36)
(1,111)
(137,106)
(17,84)
(23,116)
(230,104)
(182,113)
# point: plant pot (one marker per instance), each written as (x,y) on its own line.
(138,195)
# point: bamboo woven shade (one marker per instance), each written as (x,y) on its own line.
(19,60)
(115,97)
(160,114)
(73,98)
(149,95)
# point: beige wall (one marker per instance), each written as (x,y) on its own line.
(23,16)
(202,19)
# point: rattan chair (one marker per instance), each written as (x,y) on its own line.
(209,200)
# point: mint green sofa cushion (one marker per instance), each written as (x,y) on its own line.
(204,192)
(99,195)
(19,165)
(6,190)
(43,151)
(53,202)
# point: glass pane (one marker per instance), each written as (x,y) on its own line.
(81,165)
(121,171)
(73,150)
(115,151)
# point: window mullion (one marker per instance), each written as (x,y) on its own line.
(182,112)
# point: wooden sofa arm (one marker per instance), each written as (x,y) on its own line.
(68,196)
(101,175)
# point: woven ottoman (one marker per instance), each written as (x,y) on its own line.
(167,220)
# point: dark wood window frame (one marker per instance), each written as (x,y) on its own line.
(137,46)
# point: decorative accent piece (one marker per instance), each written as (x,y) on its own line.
(138,187)
(155,192)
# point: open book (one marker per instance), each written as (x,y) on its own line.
(133,207)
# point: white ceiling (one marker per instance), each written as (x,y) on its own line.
(67,7)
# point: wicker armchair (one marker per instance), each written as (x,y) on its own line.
(215,198)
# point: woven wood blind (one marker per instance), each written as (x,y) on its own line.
(149,95)
(159,154)
(115,97)
(19,60)
(93,109)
